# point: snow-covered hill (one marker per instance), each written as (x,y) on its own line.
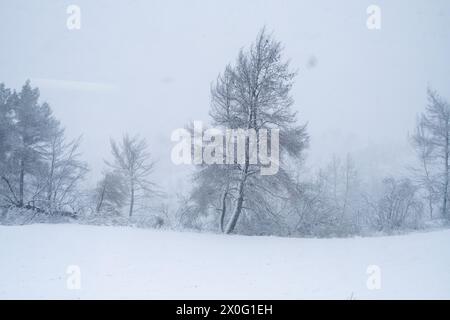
(135,263)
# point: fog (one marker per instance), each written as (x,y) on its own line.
(146,67)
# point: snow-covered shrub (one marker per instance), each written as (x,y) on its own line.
(398,206)
(139,221)
(22,216)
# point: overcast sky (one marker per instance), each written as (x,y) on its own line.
(146,67)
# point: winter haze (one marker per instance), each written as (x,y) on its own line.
(351,98)
(157,59)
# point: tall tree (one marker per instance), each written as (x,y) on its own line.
(6,142)
(5,122)
(253,94)
(432,143)
(39,168)
(33,126)
(132,160)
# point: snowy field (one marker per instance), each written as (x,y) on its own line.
(137,263)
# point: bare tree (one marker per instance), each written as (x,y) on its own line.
(426,173)
(133,162)
(343,182)
(330,202)
(432,143)
(64,170)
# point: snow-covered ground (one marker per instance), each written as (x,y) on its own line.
(136,263)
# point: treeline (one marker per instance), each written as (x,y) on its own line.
(254,93)
(42,173)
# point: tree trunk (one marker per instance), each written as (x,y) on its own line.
(102,196)
(430,206)
(50,180)
(237,211)
(131,201)
(224,209)
(21,183)
(444,203)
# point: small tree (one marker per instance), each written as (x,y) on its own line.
(111,193)
(63,171)
(329,204)
(132,161)
(398,205)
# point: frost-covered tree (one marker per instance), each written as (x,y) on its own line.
(253,94)
(5,122)
(33,125)
(398,206)
(432,143)
(133,162)
(111,193)
(329,203)
(39,169)
(6,142)
(63,171)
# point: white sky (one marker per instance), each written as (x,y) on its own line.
(146,67)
